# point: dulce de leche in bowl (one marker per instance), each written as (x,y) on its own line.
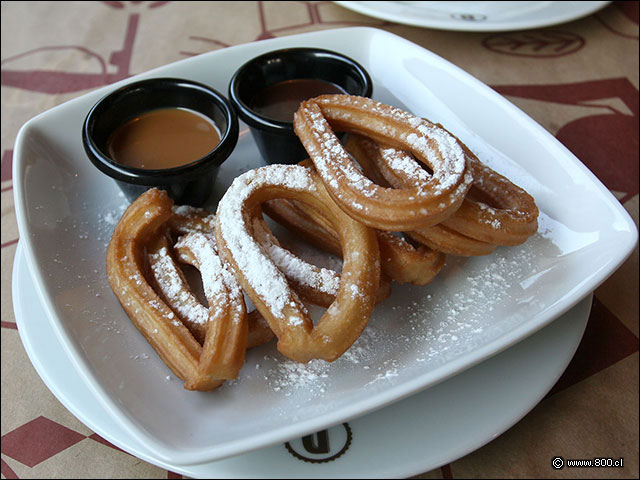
(280,100)
(164,132)
(163,138)
(267,90)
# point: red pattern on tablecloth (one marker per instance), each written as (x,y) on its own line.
(535,43)
(38,440)
(596,139)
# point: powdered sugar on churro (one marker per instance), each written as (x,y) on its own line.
(332,151)
(439,149)
(173,287)
(402,162)
(220,285)
(322,279)
(263,276)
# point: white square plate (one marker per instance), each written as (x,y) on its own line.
(418,337)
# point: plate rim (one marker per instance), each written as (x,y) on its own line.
(365,8)
(462,363)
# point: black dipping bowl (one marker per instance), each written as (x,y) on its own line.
(276,140)
(190,184)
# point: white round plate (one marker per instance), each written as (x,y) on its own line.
(415,435)
(476,16)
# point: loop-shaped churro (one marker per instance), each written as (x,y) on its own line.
(266,285)
(494,212)
(374,160)
(317,285)
(497,211)
(399,260)
(393,209)
(168,279)
(202,367)
(177,293)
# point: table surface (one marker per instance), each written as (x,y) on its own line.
(579,80)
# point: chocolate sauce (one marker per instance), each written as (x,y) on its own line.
(281,100)
(163,138)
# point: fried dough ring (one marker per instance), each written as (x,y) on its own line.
(399,260)
(370,154)
(451,242)
(226,333)
(185,303)
(503,213)
(201,367)
(383,208)
(187,219)
(267,286)
(314,284)
(495,211)
(168,280)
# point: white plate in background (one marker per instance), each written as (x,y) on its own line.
(420,336)
(476,16)
(412,436)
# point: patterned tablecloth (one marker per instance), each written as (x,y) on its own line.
(579,80)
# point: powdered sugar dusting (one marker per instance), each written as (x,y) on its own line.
(304,273)
(265,278)
(437,147)
(220,285)
(315,377)
(327,148)
(403,162)
(416,330)
(173,288)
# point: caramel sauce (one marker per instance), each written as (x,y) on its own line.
(281,100)
(163,138)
